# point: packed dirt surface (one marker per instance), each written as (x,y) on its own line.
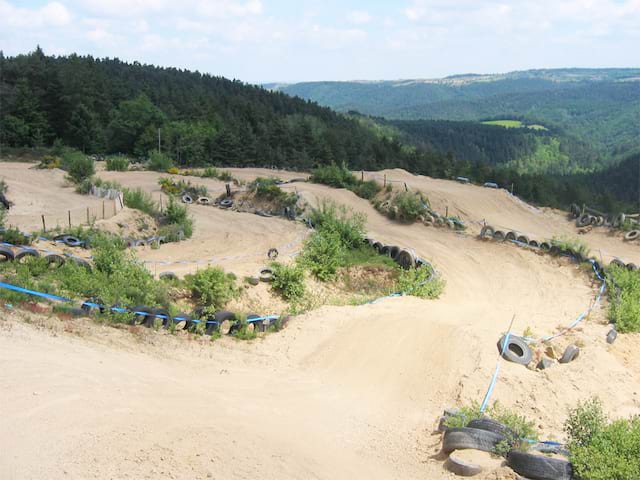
(341,392)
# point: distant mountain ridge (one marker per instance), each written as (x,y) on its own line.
(598,106)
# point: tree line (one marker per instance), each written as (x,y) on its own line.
(110,106)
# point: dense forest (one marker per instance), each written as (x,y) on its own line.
(528,150)
(599,107)
(109,106)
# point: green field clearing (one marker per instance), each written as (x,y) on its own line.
(514,124)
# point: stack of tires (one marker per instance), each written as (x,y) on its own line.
(404,257)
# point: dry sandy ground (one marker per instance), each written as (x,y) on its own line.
(342,392)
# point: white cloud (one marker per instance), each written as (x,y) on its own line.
(359,17)
(53,14)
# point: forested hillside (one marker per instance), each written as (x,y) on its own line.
(528,150)
(109,106)
(600,107)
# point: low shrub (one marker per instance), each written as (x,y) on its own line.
(212,288)
(178,187)
(49,162)
(624,294)
(288,281)
(159,162)
(347,226)
(420,282)
(173,170)
(79,167)
(323,254)
(13,235)
(268,190)
(177,214)
(117,164)
(366,190)
(339,176)
(602,450)
(408,206)
(140,200)
(210,172)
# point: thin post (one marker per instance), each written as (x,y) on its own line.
(446,210)
(511,188)
(88,222)
(44,226)
(362,175)
(384,180)
(103,216)
(160,194)
(406,187)
(228,189)
(69,212)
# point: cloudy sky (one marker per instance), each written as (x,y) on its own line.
(287,40)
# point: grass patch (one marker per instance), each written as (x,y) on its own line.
(140,200)
(117,164)
(624,295)
(572,245)
(339,176)
(420,282)
(179,187)
(267,189)
(505,123)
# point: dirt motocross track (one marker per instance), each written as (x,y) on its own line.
(342,392)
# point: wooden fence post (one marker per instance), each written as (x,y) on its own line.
(362,175)
(44,226)
(69,212)
(103,210)
(385,180)
(228,189)
(88,222)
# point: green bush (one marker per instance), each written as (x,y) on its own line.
(117,164)
(624,294)
(267,189)
(600,450)
(176,214)
(13,235)
(210,172)
(366,190)
(338,220)
(79,167)
(408,206)
(323,254)
(140,200)
(338,176)
(288,281)
(420,282)
(159,162)
(212,287)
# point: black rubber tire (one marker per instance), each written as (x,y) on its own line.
(534,243)
(210,324)
(60,237)
(258,325)
(570,354)
(611,336)
(584,220)
(630,266)
(600,221)
(186,198)
(460,468)
(491,425)
(273,253)
(90,309)
(406,259)
(167,276)
(523,239)
(470,438)
(539,467)
(81,262)
(182,321)
(26,253)
(393,251)
(141,243)
(6,254)
(204,200)
(225,320)
(632,235)
(139,318)
(575,210)
(72,241)
(378,246)
(498,236)
(151,318)
(618,262)
(54,260)
(618,220)
(545,246)
(511,235)
(555,250)
(266,274)
(517,350)
(487,232)
(226,203)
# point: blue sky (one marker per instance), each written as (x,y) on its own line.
(263,41)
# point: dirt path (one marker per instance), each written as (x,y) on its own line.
(342,392)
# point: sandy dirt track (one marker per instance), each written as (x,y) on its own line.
(342,392)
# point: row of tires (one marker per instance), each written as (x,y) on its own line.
(189,199)
(221,321)
(54,260)
(589,217)
(490,233)
(488,435)
(404,257)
